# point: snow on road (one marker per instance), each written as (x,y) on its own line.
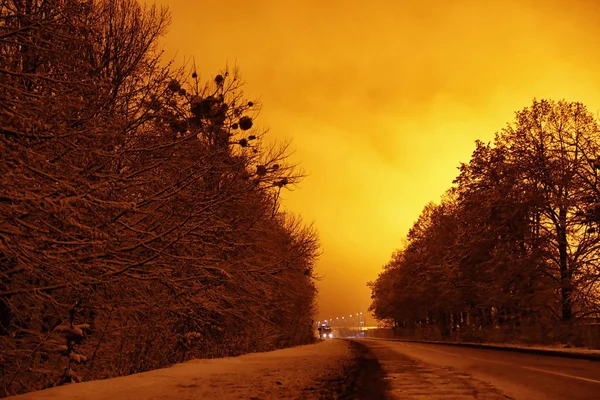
(407,378)
(304,372)
(441,371)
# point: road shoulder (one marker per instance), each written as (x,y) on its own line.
(582,354)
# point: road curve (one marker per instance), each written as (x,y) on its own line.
(434,371)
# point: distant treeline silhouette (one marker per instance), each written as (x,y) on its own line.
(512,251)
(140,222)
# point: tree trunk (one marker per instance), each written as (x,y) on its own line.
(565,273)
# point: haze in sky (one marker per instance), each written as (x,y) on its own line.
(384,99)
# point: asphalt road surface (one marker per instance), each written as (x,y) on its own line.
(432,371)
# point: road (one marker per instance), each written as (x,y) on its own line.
(432,371)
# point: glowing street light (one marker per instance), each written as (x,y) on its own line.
(361,321)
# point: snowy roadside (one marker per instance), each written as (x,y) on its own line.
(320,371)
(553,350)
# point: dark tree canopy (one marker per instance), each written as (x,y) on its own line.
(139,208)
(514,245)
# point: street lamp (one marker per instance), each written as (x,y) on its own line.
(365,325)
(362,322)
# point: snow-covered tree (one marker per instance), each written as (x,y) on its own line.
(139,208)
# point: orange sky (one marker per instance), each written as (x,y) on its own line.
(383,99)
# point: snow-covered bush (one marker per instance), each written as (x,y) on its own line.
(136,229)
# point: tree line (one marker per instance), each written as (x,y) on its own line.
(140,220)
(512,250)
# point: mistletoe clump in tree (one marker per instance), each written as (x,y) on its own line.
(139,209)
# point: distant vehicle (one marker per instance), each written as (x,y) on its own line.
(325,332)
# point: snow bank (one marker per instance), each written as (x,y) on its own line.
(557,348)
(302,372)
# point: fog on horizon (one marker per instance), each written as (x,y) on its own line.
(384,99)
